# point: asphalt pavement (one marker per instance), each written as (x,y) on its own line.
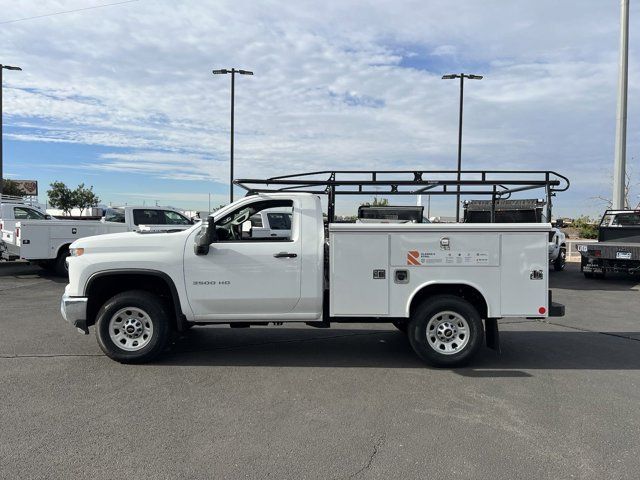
(562,399)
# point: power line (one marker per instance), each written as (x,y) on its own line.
(68,11)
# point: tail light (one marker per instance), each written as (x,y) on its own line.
(17,232)
(1,225)
(597,253)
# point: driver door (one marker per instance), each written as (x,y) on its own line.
(244,277)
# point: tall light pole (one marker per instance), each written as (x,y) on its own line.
(461,76)
(619,166)
(3,67)
(233,72)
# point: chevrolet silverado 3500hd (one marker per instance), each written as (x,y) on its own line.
(437,282)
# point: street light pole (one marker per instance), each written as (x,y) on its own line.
(461,76)
(620,159)
(233,72)
(3,67)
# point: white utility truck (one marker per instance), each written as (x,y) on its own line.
(46,241)
(15,209)
(444,285)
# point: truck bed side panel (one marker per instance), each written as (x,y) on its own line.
(470,258)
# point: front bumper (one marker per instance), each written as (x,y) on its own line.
(74,311)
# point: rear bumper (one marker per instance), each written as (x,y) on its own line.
(9,251)
(74,311)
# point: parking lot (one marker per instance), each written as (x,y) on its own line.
(562,400)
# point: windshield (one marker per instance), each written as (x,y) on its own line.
(621,219)
(21,213)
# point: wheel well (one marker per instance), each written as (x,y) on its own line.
(469,293)
(102,288)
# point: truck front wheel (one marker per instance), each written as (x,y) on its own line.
(561,261)
(446,331)
(133,327)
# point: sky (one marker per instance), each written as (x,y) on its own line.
(122,97)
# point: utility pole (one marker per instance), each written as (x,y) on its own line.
(461,76)
(233,72)
(3,67)
(619,166)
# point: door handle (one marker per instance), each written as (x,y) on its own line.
(285,255)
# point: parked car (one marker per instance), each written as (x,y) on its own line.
(618,246)
(444,285)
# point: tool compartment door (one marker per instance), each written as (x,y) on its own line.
(359,282)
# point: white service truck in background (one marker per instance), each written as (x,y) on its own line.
(13,210)
(445,285)
(40,239)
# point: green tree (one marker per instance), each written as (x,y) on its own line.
(587,228)
(60,196)
(377,202)
(85,197)
(9,187)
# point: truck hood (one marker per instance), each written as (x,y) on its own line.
(129,240)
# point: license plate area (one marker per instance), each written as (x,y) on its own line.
(623,255)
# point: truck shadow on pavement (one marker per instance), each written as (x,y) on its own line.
(522,351)
(573,279)
(23,270)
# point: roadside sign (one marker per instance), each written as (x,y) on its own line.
(27,187)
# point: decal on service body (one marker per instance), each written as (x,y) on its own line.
(418,258)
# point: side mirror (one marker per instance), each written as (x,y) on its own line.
(206,238)
(47,217)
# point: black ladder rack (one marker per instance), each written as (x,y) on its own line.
(498,184)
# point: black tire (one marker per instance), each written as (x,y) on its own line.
(401,325)
(429,310)
(60,267)
(560,263)
(588,274)
(157,312)
(600,275)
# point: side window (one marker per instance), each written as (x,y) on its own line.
(114,215)
(148,217)
(238,226)
(279,220)
(256,221)
(174,218)
(20,213)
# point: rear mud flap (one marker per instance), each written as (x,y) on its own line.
(492,334)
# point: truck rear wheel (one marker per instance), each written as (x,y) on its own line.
(446,331)
(133,327)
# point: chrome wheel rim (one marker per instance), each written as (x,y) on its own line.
(130,329)
(447,332)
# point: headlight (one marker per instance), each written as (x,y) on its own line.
(76,252)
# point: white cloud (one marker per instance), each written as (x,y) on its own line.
(328,91)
